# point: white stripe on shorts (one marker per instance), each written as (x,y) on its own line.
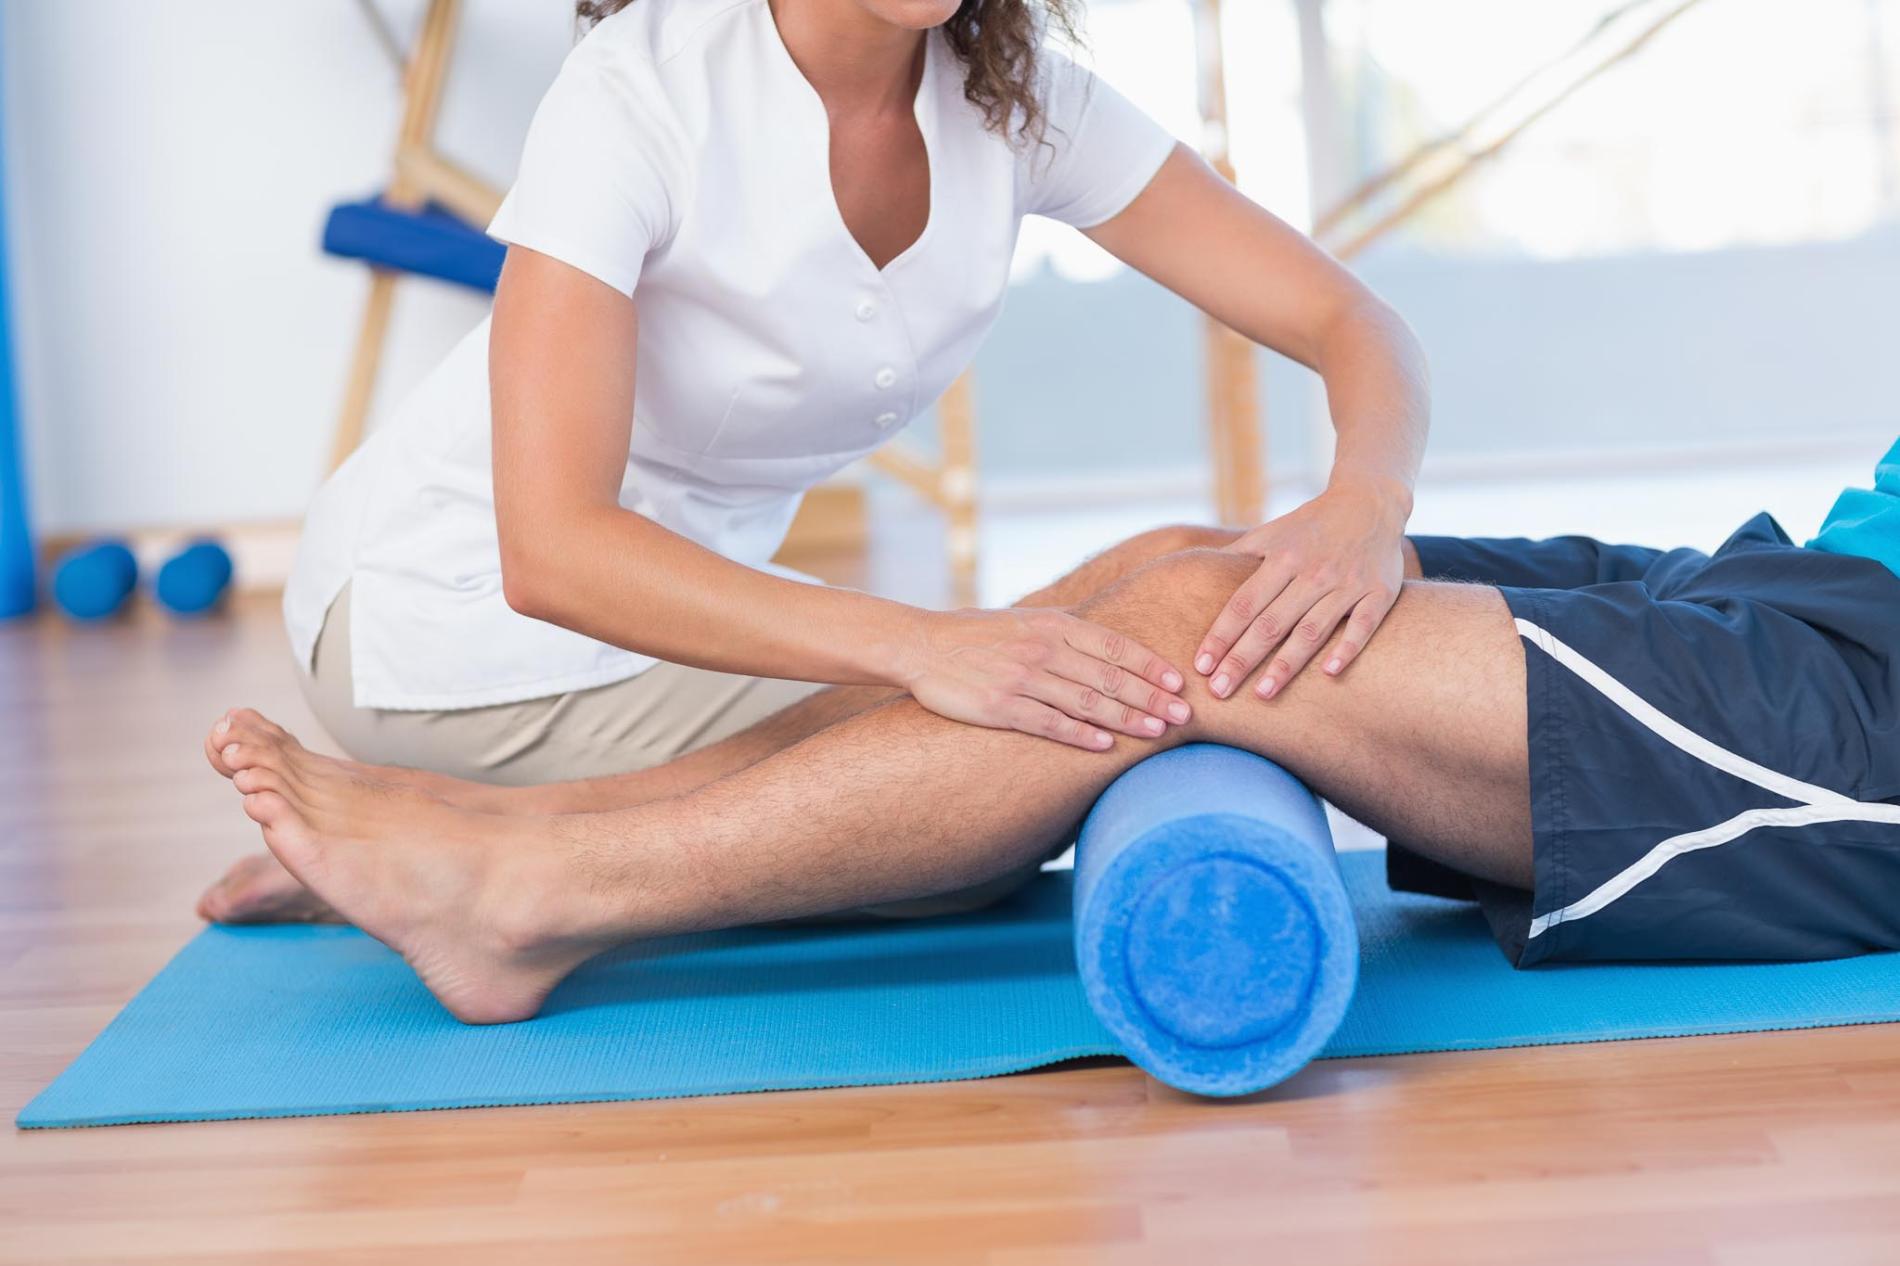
(1815,804)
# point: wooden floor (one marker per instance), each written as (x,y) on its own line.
(1755,1149)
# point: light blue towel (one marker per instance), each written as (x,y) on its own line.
(1866,521)
(302,1021)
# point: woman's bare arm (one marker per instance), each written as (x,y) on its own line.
(562,385)
(1335,560)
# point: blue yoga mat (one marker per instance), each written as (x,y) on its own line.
(307,1021)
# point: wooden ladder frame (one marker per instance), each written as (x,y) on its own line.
(420,175)
(1386,200)
(1236,439)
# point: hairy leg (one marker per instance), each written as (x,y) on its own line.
(1424,740)
(1423,737)
(257,889)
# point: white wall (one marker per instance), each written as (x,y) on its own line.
(182,340)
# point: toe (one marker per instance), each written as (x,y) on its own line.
(257,778)
(253,751)
(249,726)
(285,831)
(254,726)
(252,888)
(266,808)
(215,740)
(213,904)
(212,756)
(275,730)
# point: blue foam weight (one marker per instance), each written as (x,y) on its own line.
(194,579)
(1212,931)
(94,582)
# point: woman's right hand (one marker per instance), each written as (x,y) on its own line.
(1044,672)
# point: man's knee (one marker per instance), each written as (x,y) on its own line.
(1168,604)
(1175,538)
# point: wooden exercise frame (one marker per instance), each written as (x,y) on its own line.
(1386,200)
(947,482)
(420,175)
(1236,439)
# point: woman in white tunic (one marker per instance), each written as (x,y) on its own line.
(749,241)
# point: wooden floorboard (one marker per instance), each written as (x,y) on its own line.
(1739,1151)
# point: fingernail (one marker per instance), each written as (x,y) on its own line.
(1103,740)
(1267,687)
(230,751)
(1222,684)
(1334,664)
(1204,665)
(1153,725)
(1179,712)
(221,726)
(1170,680)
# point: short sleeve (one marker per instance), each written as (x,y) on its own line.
(1101,148)
(598,181)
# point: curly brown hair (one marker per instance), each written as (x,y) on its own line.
(997,42)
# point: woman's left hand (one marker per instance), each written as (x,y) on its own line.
(1338,557)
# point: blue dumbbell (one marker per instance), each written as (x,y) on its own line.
(94,582)
(193,580)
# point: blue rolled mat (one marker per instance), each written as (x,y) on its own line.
(427,241)
(95,582)
(1212,930)
(193,580)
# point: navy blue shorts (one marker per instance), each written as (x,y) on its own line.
(1714,750)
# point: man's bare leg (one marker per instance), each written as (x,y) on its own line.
(1424,738)
(258,889)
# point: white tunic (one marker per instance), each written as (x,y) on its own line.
(681,157)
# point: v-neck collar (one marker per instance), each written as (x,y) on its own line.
(923,109)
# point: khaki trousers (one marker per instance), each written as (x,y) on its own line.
(620,728)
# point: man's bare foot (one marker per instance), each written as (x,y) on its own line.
(258,889)
(480,797)
(482,906)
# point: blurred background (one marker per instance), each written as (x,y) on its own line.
(1666,301)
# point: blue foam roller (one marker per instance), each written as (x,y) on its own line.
(94,582)
(1212,930)
(194,579)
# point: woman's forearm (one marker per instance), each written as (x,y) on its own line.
(620,578)
(1378,393)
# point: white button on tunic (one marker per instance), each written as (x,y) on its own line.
(681,158)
